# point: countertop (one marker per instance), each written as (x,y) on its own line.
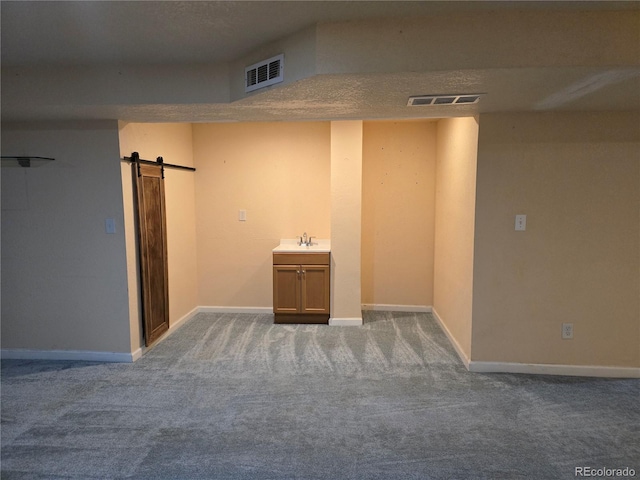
(290,245)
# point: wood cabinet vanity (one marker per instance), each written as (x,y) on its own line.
(301,286)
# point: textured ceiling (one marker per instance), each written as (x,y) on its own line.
(91,32)
(106,34)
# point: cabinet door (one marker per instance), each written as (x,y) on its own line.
(315,289)
(286,288)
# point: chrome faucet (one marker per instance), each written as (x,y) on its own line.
(305,241)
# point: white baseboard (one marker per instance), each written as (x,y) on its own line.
(346,322)
(173,326)
(452,339)
(83,355)
(184,318)
(136,355)
(255,310)
(357,321)
(472,366)
(382,307)
(536,369)
(552,369)
(87,355)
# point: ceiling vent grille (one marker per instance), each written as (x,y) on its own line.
(264,73)
(430,100)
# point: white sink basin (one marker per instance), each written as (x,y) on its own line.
(290,245)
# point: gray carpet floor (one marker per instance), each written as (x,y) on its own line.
(237,397)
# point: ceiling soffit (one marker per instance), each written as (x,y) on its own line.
(355,69)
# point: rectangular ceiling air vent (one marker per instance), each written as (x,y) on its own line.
(422,100)
(264,73)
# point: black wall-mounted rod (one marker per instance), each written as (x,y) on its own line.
(26,160)
(135,157)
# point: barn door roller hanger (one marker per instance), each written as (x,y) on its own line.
(135,158)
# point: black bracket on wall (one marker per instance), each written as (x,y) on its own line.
(160,162)
(135,158)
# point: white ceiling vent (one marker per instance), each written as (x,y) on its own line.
(264,73)
(422,100)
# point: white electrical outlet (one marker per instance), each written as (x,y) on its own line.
(110,225)
(521,223)
(567,330)
(242,215)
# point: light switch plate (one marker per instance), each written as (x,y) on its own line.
(242,216)
(521,223)
(110,225)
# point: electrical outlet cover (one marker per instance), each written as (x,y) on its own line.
(110,225)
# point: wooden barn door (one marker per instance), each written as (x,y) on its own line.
(152,230)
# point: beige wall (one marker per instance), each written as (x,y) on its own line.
(457,143)
(173,142)
(576,177)
(346,215)
(279,173)
(63,277)
(398,212)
